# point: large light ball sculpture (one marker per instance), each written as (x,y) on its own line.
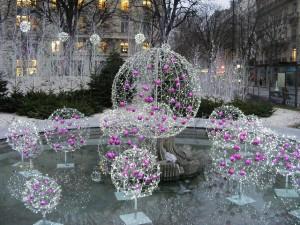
(41,195)
(221,118)
(66,132)
(158,81)
(121,131)
(23,137)
(244,156)
(135,173)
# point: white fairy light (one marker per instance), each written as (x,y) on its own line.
(95,39)
(63,36)
(41,194)
(67,130)
(139,38)
(23,137)
(135,172)
(25,26)
(221,118)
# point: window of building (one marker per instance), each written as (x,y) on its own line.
(147,3)
(26,3)
(124,5)
(19,19)
(81,24)
(294,55)
(80,2)
(102,4)
(32,67)
(79,44)
(55,46)
(124,47)
(29,65)
(124,25)
(52,3)
(103,46)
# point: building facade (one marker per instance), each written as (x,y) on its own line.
(278,52)
(39,52)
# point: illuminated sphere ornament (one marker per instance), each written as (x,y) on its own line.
(67,130)
(63,36)
(135,172)
(139,38)
(41,194)
(221,118)
(23,137)
(158,83)
(286,157)
(243,154)
(25,26)
(95,39)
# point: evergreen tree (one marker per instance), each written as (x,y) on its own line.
(101,83)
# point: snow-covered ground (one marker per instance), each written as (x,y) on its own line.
(283,118)
(281,121)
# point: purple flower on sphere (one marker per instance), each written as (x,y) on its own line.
(72,141)
(157,82)
(222,163)
(111,155)
(146,87)
(231,171)
(236,147)
(166,68)
(243,136)
(149,99)
(256,141)
(178,105)
(171,90)
(122,104)
(126,133)
(135,73)
(76,116)
(248,162)
(43,202)
(150,66)
(172,101)
(242,172)
(190,94)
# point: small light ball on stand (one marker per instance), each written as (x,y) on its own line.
(95,39)
(25,26)
(63,36)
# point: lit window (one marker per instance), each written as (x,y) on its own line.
(125,5)
(124,47)
(102,4)
(294,55)
(146,45)
(79,45)
(32,67)
(55,46)
(19,19)
(147,3)
(80,2)
(19,68)
(103,46)
(81,24)
(53,3)
(26,3)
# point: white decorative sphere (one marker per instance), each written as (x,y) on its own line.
(221,118)
(63,36)
(140,38)
(135,172)
(41,194)
(161,84)
(25,26)
(243,151)
(24,138)
(95,39)
(67,130)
